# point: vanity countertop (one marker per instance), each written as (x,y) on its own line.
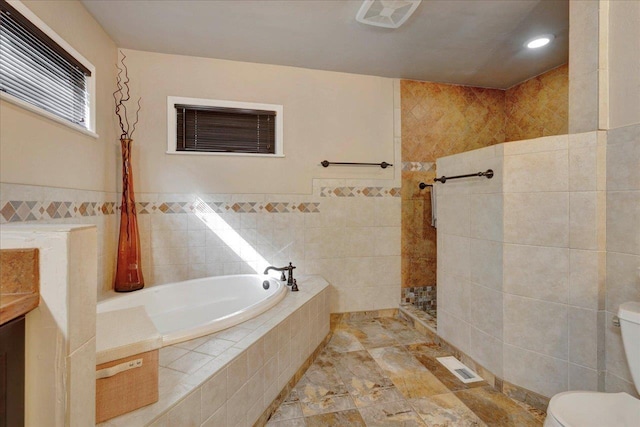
(19,282)
(15,305)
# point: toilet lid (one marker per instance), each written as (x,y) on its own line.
(592,409)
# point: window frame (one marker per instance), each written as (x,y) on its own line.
(172,142)
(90,130)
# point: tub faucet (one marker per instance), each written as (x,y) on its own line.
(288,268)
(283,269)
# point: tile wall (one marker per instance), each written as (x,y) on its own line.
(441,120)
(345,231)
(60,332)
(437,120)
(588,77)
(348,231)
(539,106)
(30,204)
(521,271)
(469,288)
(623,245)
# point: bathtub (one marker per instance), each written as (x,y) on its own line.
(186,310)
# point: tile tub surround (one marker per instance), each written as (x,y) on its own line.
(352,239)
(380,371)
(346,230)
(231,377)
(521,261)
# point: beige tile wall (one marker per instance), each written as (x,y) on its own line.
(106,224)
(354,242)
(554,216)
(584,61)
(470,227)
(521,268)
(623,244)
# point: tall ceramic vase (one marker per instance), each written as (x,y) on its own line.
(129,270)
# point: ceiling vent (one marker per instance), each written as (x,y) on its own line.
(386,13)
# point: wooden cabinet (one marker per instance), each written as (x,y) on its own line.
(12,373)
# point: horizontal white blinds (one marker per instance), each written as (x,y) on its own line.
(230,130)
(34,69)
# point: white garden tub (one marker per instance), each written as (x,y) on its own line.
(185,310)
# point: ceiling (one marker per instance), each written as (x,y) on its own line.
(469,42)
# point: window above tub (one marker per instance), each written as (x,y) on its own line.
(215,127)
(42,73)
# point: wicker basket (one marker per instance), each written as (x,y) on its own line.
(127,390)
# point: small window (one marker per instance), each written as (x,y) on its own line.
(227,130)
(224,127)
(37,71)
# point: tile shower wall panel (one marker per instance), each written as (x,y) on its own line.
(470,256)
(523,267)
(551,213)
(623,244)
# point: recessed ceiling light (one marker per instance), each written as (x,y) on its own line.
(539,41)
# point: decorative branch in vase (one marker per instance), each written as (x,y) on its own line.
(128,268)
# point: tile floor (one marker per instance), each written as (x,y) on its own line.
(381,372)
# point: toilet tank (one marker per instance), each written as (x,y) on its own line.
(629,314)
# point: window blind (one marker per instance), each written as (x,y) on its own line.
(218,129)
(35,69)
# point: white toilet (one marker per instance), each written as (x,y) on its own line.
(595,409)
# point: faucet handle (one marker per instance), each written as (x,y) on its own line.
(283,277)
(290,278)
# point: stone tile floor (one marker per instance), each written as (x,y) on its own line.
(381,372)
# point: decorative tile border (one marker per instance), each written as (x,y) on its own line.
(23,211)
(418,166)
(20,211)
(359,191)
(226,207)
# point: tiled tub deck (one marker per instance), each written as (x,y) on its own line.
(231,377)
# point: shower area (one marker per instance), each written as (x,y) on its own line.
(440,120)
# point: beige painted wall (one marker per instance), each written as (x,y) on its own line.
(327,115)
(624,63)
(37,151)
